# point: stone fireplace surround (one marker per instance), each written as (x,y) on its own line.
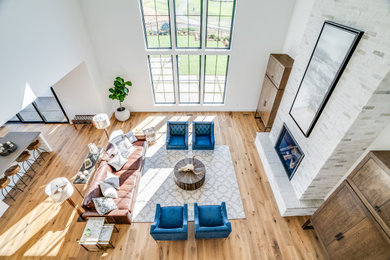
(355,114)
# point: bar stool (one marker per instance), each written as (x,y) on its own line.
(14,170)
(24,158)
(34,147)
(3,185)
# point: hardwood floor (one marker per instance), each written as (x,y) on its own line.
(34,227)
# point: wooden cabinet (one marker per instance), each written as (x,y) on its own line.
(275,80)
(353,223)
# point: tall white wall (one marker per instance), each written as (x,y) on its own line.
(299,19)
(116,31)
(41,41)
(359,106)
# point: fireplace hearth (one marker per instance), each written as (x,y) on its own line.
(289,152)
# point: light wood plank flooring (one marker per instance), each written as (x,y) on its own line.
(34,227)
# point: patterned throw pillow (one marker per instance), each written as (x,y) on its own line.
(117,161)
(112,179)
(124,147)
(108,191)
(104,205)
(131,137)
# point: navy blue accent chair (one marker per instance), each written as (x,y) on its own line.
(203,135)
(211,221)
(170,223)
(177,135)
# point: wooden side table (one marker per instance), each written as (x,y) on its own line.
(97,234)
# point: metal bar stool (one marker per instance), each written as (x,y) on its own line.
(24,158)
(35,148)
(14,170)
(3,185)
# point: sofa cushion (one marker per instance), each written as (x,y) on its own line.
(177,140)
(210,216)
(202,129)
(104,205)
(177,129)
(203,140)
(171,217)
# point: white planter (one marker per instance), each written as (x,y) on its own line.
(122,115)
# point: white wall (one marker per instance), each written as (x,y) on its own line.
(78,83)
(117,34)
(298,23)
(41,41)
(381,143)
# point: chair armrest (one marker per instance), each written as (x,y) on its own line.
(196,215)
(224,214)
(156,218)
(185,215)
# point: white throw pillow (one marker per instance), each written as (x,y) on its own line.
(131,137)
(112,179)
(108,191)
(117,161)
(115,136)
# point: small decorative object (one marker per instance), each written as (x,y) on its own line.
(190,167)
(88,163)
(87,232)
(85,172)
(93,149)
(119,92)
(79,173)
(150,134)
(7,148)
(82,176)
(330,56)
(289,152)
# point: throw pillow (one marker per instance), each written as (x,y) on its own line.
(131,137)
(108,191)
(117,161)
(115,136)
(104,205)
(112,179)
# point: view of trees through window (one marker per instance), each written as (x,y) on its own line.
(201,73)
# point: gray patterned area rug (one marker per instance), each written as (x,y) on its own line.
(157,184)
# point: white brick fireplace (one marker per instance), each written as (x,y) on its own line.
(356,112)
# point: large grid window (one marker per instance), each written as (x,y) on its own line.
(188,46)
(188,20)
(189,78)
(219,23)
(215,78)
(156,23)
(162,78)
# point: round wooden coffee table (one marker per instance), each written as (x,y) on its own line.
(189,180)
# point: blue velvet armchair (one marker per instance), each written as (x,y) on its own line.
(170,223)
(177,135)
(211,221)
(203,136)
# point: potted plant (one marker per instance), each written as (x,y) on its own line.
(119,92)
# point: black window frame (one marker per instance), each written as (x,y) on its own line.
(178,76)
(200,28)
(226,74)
(231,26)
(152,81)
(44,121)
(144,25)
